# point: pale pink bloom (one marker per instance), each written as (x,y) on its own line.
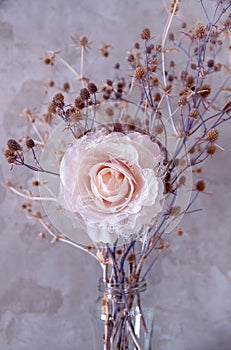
(111,182)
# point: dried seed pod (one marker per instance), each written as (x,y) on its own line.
(137,46)
(30,143)
(182,101)
(171,37)
(66,87)
(194,113)
(159,129)
(204,91)
(211,149)
(180,232)
(200,186)
(8,153)
(210,63)
(51,83)
(58,100)
(13,145)
(140,73)
(193,66)
(212,135)
(157,97)
(79,103)
(175,211)
(92,88)
(190,80)
(84,94)
(145,34)
(47,60)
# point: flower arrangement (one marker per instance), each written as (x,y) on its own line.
(116,174)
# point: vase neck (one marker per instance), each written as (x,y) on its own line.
(125,288)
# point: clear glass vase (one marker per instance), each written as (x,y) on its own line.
(120,321)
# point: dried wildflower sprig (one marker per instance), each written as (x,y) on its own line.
(15,155)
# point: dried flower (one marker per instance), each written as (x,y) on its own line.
(174,211)
(211,149)
(51,83)
(145,34)
(13,145)
(199,31)
(200,186)
(140,73)
(84,94)
(194,113)
(204,91)
(30,143)
(212,135)
(47,60)
(104,50)
(58,100)
(210,63)
(171,37)
(66,87)
(92,88)
(79,103)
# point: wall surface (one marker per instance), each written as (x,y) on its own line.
(47,290)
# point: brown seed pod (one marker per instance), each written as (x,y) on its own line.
(92,88)
(171,37)
(168,88)
(210,63)
(84,94)
(157,97)
(204,91)
(51,83)
(159,129)
(212,135)
(137,46)
(8,153)
(194,113)
(190,80)
(211,149)
(175,211)
(140,73)
(145,34)
(79,103)
(199,31)
(58,100)
(193,66)
(180,232)
(66,87)
(200,186)
(182,101)
(51,109)
(12,159)
(47,60)
(13,145)
(30,143)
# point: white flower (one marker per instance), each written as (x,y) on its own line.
(111,182)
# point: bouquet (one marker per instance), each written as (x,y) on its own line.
(115,165)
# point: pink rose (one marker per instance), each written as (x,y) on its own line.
(111,182)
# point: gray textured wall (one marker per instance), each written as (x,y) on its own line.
(46,291)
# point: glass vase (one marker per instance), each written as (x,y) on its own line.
(120,321)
